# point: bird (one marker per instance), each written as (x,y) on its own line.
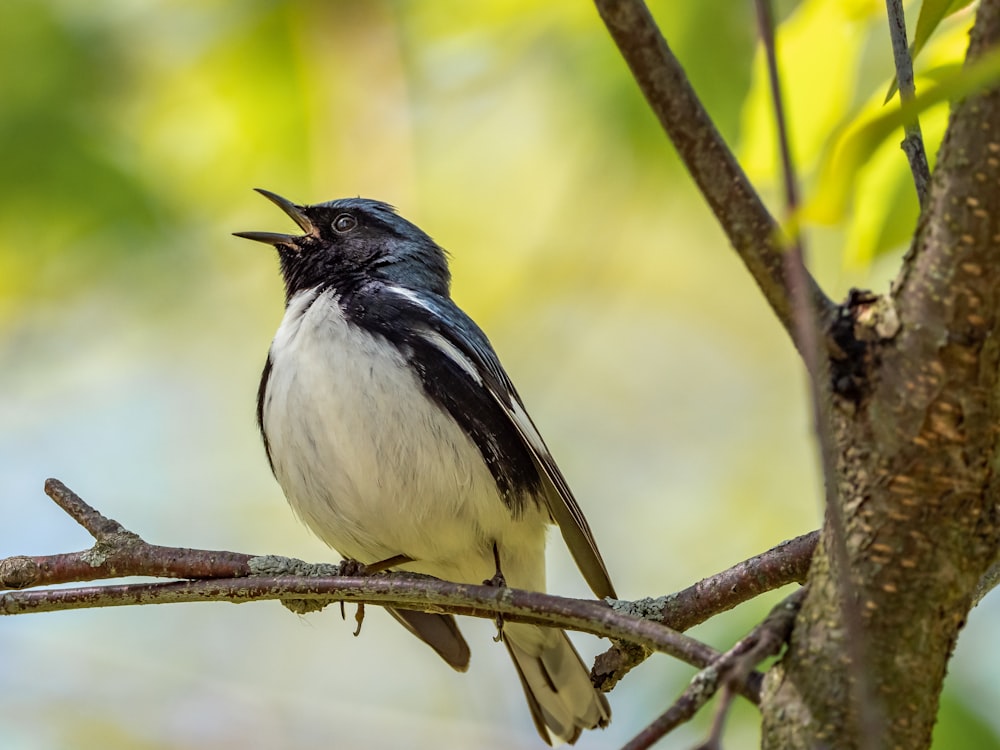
(398,438)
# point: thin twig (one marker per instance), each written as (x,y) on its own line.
(779,566)
(100,527)
(752,231)
(765,25)
(786,563)
(913,143)
(807,325)
(714,741)
(726,672)
(698,692)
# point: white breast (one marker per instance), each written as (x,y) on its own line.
(373,466)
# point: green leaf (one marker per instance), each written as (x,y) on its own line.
(825,43)
(932,13)
(847,154)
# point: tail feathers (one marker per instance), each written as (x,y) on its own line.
(440,632)
(557,685)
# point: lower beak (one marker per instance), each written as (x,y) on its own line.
(269,238)
(294,211)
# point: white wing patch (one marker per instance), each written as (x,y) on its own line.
(523,423)
(412,296)
(451,352)
(435,339)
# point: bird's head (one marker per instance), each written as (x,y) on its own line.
(351,240)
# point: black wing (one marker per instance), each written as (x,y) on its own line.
(460,370)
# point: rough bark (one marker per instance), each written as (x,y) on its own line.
(918,445)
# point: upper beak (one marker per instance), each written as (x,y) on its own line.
(293,210)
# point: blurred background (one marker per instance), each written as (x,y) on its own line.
(133,328)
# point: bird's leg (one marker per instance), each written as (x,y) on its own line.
(357,568)
(389,562)
(497,581)
(349,567)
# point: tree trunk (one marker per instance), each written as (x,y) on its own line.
(917,456)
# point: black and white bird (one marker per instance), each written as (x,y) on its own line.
(394,431)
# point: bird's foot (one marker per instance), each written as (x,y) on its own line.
(349,567)
(497,581)
(359,618)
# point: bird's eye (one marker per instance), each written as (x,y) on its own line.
(344,223)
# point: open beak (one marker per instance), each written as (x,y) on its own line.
(293,210)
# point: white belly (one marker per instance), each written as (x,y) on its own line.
(374,467)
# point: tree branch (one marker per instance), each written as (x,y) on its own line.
(127,554)
(913,143)
(728,671)
(818,366)
(786,563)
(402,590)
(789,176)
(117,553)
(751,229)
(917,455)
(237,578)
